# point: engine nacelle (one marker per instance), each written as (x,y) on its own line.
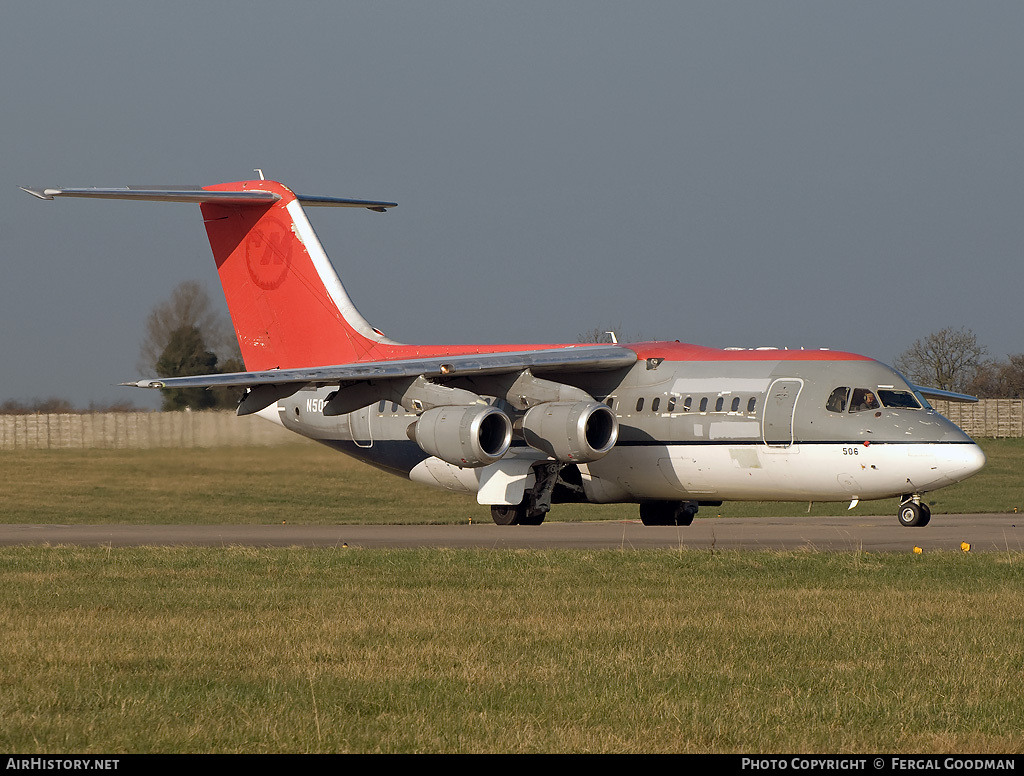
(471,436)
(571,432)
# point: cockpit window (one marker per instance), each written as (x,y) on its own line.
(863,399)
(899,399)
(838,400)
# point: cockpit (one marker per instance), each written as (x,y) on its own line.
(848,399)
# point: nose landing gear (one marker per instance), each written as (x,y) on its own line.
(913,512)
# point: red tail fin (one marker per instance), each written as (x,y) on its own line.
(288,306)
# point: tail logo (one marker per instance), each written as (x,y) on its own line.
(267,256)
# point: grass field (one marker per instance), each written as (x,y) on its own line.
(311,484)
(344,650)
(289,650)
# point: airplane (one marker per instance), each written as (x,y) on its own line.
(666,425)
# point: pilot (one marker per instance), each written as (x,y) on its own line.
(867,402)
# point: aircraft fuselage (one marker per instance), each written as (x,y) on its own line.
(705,425)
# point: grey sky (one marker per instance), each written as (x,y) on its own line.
(844,175)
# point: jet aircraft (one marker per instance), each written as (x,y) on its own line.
(666,425)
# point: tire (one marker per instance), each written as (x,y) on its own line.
(515,514)
(685,516)
(658,512)
(535,518)
(912,515)
(926,515)
(650,514)
(507,514)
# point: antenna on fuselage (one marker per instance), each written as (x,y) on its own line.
(260,172)
(615,340)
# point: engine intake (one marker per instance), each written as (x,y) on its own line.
(471,436)
(571,432)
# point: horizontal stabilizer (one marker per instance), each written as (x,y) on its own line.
(311,200)
(196,194)
(162,194)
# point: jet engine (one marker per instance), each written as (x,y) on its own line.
(472,436)
(571,432)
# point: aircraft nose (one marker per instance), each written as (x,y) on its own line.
(958,462)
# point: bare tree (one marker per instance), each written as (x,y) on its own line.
(56,405)
(597,334)
(1012,375)
(52,405)
(948,360)
(999,379)
(606,334)
(189,307)
(187,335)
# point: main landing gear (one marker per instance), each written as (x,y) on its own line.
(536,502)
(668,512)
(913,512)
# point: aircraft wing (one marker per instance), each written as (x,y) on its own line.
(275,384)
(936,393)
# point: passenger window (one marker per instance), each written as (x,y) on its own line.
(382,405)
(719,403)
(640,404)
(687,404)
(394,407)
(704,404)
(671,404)
(610,401)
(736,404)
(837,401)
(655,404)
(863,399)
(751,404)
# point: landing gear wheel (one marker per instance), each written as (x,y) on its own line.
(914,515)
(667,512)
(508,514)
(926,515)
(515,514)
(654,513)
(686,514)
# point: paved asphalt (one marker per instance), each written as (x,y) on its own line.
(985,533)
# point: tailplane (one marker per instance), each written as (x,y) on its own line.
(287,303)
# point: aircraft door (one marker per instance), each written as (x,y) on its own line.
(779,407)
(359,423)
